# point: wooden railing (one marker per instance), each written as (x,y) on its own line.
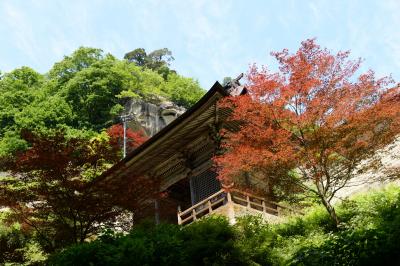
(213,202)
(260,203)
(202,208)
(254,202)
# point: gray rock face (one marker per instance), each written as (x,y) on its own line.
(151,117)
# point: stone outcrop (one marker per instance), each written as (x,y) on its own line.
(151,117)
(375,178)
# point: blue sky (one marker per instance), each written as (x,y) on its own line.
(210,39)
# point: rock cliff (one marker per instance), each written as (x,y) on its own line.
(151,117)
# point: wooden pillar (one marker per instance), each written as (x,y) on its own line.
(229,203)
(157,211)
(230,209)
(192,192)
(179,215)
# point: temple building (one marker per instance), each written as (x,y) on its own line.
(177,163)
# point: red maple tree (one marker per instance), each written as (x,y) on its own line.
(315,123)
(50,188)
(134,138)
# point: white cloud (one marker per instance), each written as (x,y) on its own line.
(211,38)
(391,31)
(21,31)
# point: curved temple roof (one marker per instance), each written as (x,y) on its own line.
(167,145)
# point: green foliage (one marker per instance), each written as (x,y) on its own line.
(137,56)
(91,93)
(183,91)
(81,96)
(226,80)
(10,144)
(18,246)
(33,254)
(17,90)
(369,236)
(255,240)
(84,93)
(11,239)
(158,60)
(210,242)
(80,59)
(45,114)
(207,242)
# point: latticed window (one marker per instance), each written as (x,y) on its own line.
(204,185)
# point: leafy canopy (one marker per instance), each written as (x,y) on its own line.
(50,186)
(84,94)
(315,123)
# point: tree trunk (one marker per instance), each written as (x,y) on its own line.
(328,206)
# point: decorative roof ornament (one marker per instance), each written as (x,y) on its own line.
(234,88)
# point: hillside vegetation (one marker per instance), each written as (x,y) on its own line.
(83,94)
(368,236)
(59,131)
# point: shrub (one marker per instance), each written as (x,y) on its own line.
(206,242)
(18,246)
(368,235)
(210,242)
(11,241)
(255,240)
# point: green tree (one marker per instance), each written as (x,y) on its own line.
(91,93)
(183,91)
(45,114)
(80,59)
(17,90)
(84,93)
(137,56)
(158,60)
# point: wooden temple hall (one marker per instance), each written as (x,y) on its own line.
(177,162)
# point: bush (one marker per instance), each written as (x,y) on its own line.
(145,245)
(17,246)
(207,242)
(210,242)
(11,241)
(255,240)
(368,235)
